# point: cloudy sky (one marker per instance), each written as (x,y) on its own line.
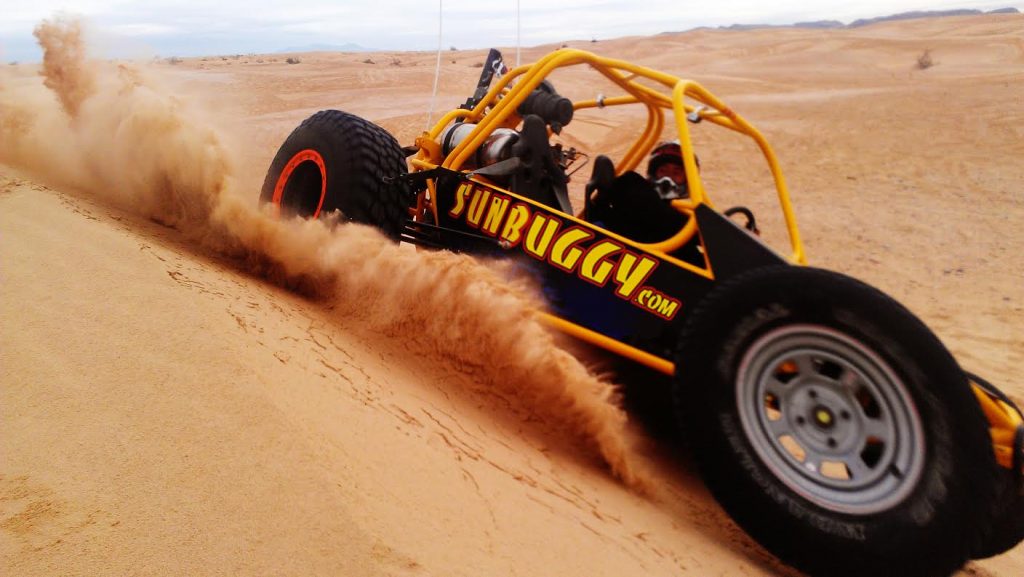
(140,28)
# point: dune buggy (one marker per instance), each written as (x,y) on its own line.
(830,423)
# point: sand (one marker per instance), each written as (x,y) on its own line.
(189,387)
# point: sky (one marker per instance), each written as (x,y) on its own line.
(146,28)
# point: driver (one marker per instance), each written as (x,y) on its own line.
(666,172)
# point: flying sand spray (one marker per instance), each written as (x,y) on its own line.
(113,131)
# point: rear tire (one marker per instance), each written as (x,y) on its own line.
(338,161)
(888,468)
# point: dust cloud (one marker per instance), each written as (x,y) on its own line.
(64,68)
(114,131)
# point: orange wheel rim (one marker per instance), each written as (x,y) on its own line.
(307,155)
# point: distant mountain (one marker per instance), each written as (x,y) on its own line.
(815,24)
(913,15)
(867,21)
(820,24)
(742,27)
(928,14)
(350,47)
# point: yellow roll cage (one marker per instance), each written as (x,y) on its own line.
(498,109)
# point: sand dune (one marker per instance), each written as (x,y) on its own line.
(191,387)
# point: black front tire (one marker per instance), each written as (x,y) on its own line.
(339,161)
(830,363)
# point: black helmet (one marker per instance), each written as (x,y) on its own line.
(664,153)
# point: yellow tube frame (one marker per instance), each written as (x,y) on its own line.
(498,108)
(1003,422)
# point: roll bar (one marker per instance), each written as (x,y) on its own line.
(499,108)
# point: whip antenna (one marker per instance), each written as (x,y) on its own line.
(517,34)
(437,68)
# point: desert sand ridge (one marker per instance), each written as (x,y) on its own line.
(191,388)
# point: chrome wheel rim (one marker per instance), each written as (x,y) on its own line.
(830,419)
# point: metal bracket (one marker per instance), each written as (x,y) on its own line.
(695,116)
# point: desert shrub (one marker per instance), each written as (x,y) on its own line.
(478,65)
(395,61)
(369,61)
(292,60)
(924,61)
(174,60)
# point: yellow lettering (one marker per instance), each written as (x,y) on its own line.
(538,238)
(477,206)
(517,219)
(631,271)
(460,200)
(643,296)
(564,254)
(596,267)
(494,215)
(657,303)
(668,308)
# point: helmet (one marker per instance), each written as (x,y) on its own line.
(663,153)
(673,184)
